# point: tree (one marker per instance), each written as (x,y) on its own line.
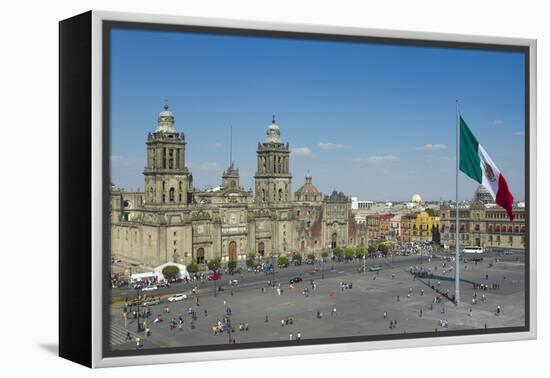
(283,260)
(372,249)
(383,248)
(338,253)
(297,258)
(360,252)
(431,212)
(231,265)
(324,255)
(311,256)
(214,264)
(250,262)
(170,272)
(349,253)
(192,268)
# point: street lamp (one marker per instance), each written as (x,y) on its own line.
(139,327)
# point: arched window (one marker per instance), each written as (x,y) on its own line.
(516,229)
(510,229)
(172,194)
(490,228)
(280,194)
(497,228)
(200,256)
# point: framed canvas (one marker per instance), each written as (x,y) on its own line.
(233,189)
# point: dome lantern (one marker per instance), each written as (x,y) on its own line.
(166,122)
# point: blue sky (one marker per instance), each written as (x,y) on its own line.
(375,121)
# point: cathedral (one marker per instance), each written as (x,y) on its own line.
(172,221)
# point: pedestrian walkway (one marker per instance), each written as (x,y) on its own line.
(118,335)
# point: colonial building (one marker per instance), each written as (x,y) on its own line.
(483,223)
(418,227)
(171,220)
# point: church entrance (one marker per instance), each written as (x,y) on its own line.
(200,256)
(333,240)
(233,251)
(261,248)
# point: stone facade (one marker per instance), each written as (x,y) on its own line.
(484,224)
(174,221)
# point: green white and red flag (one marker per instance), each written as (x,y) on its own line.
(476,163)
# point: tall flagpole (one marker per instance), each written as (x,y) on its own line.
(457,226)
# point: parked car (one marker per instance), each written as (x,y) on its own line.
(295,280)
(177,297)
(150,288)
(151,301)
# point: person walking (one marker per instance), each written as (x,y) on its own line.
(298,336)
(385,314)
(290,336)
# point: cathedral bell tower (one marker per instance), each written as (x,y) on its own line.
(167,179)
(272,177)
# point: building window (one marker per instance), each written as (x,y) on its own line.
(172,194)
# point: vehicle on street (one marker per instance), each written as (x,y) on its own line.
(151,302)
(177,297)
(375,267)
(150,288)
(473,250)
(295,280)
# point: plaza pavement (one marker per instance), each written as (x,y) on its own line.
(359,311)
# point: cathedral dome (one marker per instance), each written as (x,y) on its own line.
(273,133)
(308,191)
(483,195)
(165,122)
(416,198)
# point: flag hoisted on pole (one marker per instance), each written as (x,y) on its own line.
(475,162)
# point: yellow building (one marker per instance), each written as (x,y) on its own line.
(417,227)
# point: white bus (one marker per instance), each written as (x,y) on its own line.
(473,250)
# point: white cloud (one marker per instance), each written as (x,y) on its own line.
(432,147)
(498,122)
(210,166)
(218,144)
(330,146)
(374,159)
(519,133)
(301,151)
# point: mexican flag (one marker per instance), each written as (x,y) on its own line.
(478,165)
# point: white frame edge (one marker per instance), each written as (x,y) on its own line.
(97,191)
